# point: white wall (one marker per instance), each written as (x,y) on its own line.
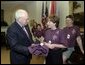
(80,9)
(31,8)
(38,11)
(63,8)
(9,10)
(63,11)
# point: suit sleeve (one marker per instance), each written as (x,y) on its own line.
(14,44)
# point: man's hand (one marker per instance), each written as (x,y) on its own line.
(32,45)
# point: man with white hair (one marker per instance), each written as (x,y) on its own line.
(19,38)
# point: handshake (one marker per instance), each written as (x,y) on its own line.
(40,49)
(49,45)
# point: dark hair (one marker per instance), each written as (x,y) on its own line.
(38,25)
(54,19)
(71,17)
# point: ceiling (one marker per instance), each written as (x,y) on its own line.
(15,2)
(5,4)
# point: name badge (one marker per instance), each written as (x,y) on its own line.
(41,44)
(68,36)
(49,42)
(73,31)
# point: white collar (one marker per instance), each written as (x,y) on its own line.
(19,23)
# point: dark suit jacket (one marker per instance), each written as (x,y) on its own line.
(19,42)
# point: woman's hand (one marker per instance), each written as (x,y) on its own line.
(51,46)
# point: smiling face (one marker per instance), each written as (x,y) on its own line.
(69,21)
(22,17)
(53,21)
(39,27)
(50,24)
(24,20)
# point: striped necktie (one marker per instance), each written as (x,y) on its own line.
(25,31)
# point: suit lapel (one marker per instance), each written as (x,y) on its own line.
(30,36)
(21,30)
(28,30)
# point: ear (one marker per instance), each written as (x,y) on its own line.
(72,21)
(54,23)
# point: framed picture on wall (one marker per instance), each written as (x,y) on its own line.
(2,15)
(3,22)
(79,20)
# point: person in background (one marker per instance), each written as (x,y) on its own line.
(72,34)
(39,31)
(34,27)
(19,38)
(38,35)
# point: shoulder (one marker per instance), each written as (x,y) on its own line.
(64,28)
(48,30)
(12,27)
(60,30)
(76,28)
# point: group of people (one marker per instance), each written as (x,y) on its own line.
(61,42)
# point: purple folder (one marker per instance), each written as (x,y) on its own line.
(37,49)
